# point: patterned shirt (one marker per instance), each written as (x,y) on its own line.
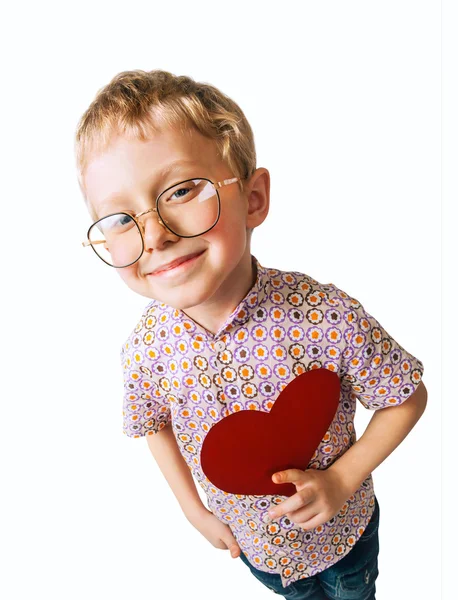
(177,372)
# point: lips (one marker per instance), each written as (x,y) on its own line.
(176,262)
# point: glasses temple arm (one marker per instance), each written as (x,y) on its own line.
(226,182)
(87,243)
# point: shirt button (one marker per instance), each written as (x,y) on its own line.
(220,346)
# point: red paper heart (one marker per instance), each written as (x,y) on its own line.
(242,451)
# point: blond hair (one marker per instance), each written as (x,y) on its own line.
(135,103)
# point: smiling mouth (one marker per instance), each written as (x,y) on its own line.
(175,266)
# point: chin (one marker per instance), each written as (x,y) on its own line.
(180,300)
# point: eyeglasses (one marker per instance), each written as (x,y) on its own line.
(188,209)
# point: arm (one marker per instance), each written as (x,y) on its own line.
(322,492)
(385,431)
(165,450)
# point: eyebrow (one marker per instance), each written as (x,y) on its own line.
(173,167)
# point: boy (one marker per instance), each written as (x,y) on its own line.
(168,170)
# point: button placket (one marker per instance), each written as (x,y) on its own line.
(219,346)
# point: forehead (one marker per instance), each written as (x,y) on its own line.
(130,166)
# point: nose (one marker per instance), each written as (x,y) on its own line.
(155,233)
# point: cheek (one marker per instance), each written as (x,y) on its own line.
(232,226)
(128,274)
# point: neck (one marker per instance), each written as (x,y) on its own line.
(216,311)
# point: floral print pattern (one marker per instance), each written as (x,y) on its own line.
(178,373)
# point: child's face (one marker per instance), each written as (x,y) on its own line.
(131,174)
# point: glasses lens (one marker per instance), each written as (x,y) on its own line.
(189,208)
(117,240)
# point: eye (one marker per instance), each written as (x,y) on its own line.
(181,193)
(124,220)
(116,223)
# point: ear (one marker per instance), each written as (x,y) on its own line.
(257,190)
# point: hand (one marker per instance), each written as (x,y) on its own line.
(320,496)
(216,532)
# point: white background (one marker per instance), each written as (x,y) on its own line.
(345,102)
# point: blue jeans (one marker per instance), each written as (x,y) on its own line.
(351,578)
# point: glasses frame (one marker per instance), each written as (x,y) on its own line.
(141,227)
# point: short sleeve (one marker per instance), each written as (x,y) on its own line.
(145,405)
(380,371)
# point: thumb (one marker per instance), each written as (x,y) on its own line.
(233,547)
(289,475)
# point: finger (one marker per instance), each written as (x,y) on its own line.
(234,550)
(288,476)
(311,523)
(232,546)
(305,514)
(293,503)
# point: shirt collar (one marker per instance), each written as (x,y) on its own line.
(248,305)
(244,310)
